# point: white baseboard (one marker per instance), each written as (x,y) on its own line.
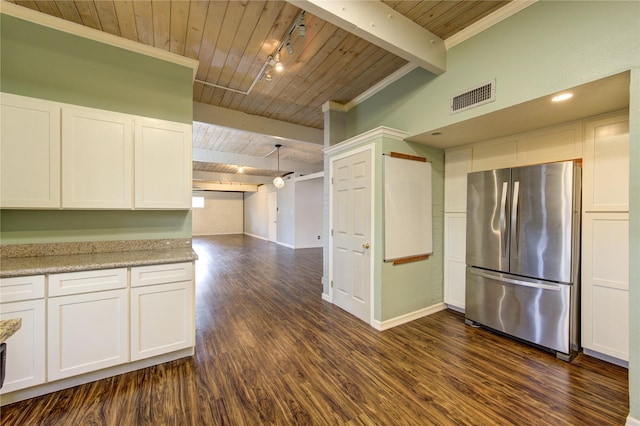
(605,357)
(70,382)
(411,316)
(308,246)
(632,422)
(256,236)
(326,297)
(285,245)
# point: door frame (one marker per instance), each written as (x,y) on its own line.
(272,217)
(371,147)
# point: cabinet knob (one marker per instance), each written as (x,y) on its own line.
(366,246)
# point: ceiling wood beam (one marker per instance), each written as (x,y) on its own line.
(226,187)
(230,177)
(379,24)
(270,163)
(225,117)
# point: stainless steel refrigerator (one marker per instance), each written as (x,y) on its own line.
(523,231)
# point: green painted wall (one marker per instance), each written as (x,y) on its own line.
(581,42)
(45,63)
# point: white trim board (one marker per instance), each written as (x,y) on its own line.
(411,316)
(89,33)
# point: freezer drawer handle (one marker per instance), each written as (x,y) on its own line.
(517,282)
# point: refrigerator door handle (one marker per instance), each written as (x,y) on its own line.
(503,214)
(515,218)
(504,279)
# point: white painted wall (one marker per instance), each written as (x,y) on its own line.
(222,213)
(256,212)
(300,212)
(309,213)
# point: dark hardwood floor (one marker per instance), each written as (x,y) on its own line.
(270,351)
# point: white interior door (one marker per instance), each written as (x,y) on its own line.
(351,228)
(273,216)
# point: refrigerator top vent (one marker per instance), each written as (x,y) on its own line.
(472,98)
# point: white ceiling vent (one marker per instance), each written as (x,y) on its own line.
(472,98)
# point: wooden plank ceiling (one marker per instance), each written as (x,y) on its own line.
(233,39)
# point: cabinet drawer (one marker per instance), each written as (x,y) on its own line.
(161,274)
(87,281)
(16,289)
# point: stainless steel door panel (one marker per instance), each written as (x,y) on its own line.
(532,310)
(488,201)
(541,221)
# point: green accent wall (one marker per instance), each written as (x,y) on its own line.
(45,63)
(548,47)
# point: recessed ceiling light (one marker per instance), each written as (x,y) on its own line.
(562,97)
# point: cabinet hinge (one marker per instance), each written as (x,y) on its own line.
(331,181)
(331,283)
(332,232)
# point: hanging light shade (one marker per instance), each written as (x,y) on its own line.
(278,182)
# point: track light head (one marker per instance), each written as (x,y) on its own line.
(302,28)
(289,48)
(278,65)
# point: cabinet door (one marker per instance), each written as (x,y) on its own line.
(456,166)
(29,153)
(605,284)
(454,267)
(87,332)
(97,159)
(606,164)
(162,165)
(162,319)
(26,348)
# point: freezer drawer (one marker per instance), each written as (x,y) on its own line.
(537,311)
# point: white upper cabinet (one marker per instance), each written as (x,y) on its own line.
(606,164)
(97,159)
(457,164)
(162,165)
(29,153)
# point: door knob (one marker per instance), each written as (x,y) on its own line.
(365,245)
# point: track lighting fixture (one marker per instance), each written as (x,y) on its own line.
(302,28)
(289,47)
(278,182)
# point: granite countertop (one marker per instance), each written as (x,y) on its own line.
(8,328)
(38,265)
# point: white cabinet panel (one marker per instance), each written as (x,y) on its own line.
(87,332)
(29,153)
(551,145)
(456,166)
(495,155)
(25,362)
(97,159)
(605,283)
(16,289)
(161,274)
(162,164)
(455,253)
(87,281)
(162,319)
(606,164)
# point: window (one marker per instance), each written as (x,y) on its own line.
(197,202)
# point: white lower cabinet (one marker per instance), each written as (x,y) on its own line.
(23,297)
(25,362)
(87,331)
(162,309)
(605,284)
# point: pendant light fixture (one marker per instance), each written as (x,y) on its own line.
(278,182)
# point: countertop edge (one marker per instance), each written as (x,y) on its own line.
(84,262)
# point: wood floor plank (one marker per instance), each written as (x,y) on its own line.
(270,351)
